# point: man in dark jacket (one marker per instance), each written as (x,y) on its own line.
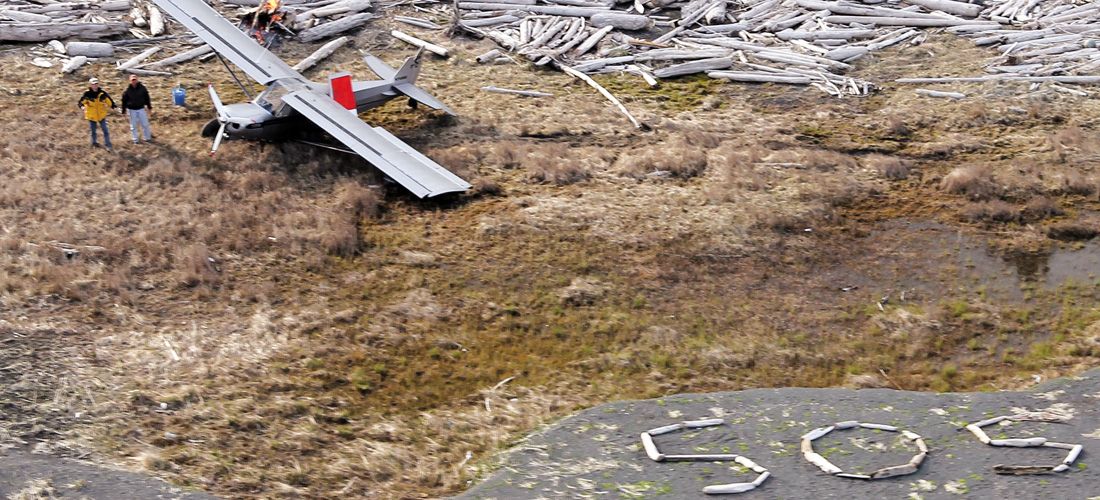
(96,105)
(136,102)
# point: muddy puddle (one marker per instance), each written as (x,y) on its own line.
(930,259)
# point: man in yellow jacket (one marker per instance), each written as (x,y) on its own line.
(97,105)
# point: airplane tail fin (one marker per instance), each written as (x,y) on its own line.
(404,81)
(410,70)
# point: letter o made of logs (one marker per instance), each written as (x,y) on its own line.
(825,465)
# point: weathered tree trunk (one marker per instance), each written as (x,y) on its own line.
(42,32)
(74,64)
(25,17)
(89,49)
(428,46)
(693,67)
(552,10)
(156,21)
(136,60)
(319,55)
(740,76)
(950,7)
(181,57)
(629,22)
(334,28)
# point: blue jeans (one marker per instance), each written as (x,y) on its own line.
(139,118)
(106,134)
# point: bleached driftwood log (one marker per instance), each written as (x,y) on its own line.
(428,46)
(156,21)
(146,72)
(938,93)
(181,57)
(136,60)
(320,54)
(74,64)
(553,10)
(89,49)
(759,77)
(25,17)
(488,56)
(524,93)
(42,32)
(619,20)
(334,28)
(1006,78)
(419,23)
(950,7)
(577,74)
(907,21)
(693,67)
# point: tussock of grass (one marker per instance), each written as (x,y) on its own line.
(973,181)
(679,159)
(556,164)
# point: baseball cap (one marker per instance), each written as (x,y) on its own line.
(93,81)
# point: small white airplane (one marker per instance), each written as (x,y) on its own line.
(291,103)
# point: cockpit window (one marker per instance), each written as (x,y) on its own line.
(271,99)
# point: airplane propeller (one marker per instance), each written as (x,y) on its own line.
(223,119)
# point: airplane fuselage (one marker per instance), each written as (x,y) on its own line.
(265,118)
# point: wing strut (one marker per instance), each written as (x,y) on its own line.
(247,91)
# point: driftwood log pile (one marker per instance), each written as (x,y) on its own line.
(130,34)
(803,42)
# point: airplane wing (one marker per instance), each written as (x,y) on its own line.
(227,40)
(408,167)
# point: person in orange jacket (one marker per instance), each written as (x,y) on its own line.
(97,105)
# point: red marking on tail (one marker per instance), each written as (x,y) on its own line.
(341,90)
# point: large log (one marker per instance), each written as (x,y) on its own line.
(907,21)
(753,77)
(43,32)
(89,49)
(74,64)
(619,20)
(552,10)
(428,46)
(321,53)
(1005,78)
(334,28)
(592,40)
(181,57)
(343,7)
(156,21)
(25,17)
(136,60)
(950,7)
(693,67)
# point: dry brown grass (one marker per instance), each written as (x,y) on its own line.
(992,211)
(973,181)
(682,159)
(330,361)
(891,167)
(556,164)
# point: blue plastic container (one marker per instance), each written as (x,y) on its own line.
(179,96)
